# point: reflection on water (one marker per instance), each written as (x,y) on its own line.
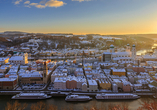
(142,52)
(61,103)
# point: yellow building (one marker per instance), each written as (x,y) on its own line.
(88,65)
(119,72)
(4,60)
(104,84)
(152,73)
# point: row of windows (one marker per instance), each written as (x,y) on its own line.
(16,61)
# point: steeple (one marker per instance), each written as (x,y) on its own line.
(111,48)
(128,48)
(45,72)
(133,52)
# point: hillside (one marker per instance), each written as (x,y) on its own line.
(2,39)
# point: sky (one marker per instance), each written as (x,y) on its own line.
(79,16)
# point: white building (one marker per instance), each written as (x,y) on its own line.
(123,57)
(60,83)
(93,86)
(19,59)
(80,81)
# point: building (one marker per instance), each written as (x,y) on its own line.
(71,82)
(4,60)
(60,83)
(78,70)
(8,83)
(119,72)
(32,78)
(93,86)
(133,52)
(3,69)
(114,87)
(19,59)
(84,86)
(126,86)
(138,69)
(104,84)
(120,56)
(106,57)
(80,81)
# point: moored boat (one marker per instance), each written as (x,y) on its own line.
(77,98)
(31,96)
(116,96)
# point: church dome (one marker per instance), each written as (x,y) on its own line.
(111,46)
(133,45)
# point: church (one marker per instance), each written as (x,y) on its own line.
(128,56)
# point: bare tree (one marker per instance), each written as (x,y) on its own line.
(16,106)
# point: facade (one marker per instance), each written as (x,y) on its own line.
(119,72)
(8,83)
(3,69)
(32,78)
(93,86)
(104,84)
(4,60)
(80,81)
(19,59)
(84,86)
(120,57)
(71,82)
(133,52)
(126,86)
(106,57)
(60,83)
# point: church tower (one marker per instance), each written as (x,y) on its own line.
(128,48)
(133,52)
(45,72)
(111,49)
(25,58)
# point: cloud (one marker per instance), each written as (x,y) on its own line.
(82,0)
(27,6)
(17,2)
(33,4)
(54,3)
(27,2)
(44,4)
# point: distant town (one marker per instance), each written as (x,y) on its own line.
(64,64)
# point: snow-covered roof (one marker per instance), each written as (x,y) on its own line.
(92,82)
(16,58)
(118,70)
(7,79)
(3,58)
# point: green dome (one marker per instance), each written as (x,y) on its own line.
(111,46)
(133,45)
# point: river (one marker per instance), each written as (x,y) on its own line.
(143,51)
(61,103)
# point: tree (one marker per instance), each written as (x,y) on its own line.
(39,106)
(149,105)
(42,106)
(89,37)
(16,106)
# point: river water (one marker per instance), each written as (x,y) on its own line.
(61,103)
(143,51)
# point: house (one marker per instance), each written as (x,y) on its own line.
(93,86)
(19,59)
(4,60)
(8,83)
